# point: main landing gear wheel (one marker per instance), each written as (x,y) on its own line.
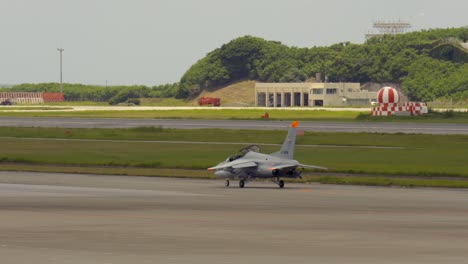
(281,184)
(226,183)
(241,183)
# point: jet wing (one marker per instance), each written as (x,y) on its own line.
(311,167)
(235,165)
(283,166)
(292,166)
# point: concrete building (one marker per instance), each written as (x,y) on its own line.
(312,94)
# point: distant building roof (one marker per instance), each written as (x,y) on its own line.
(464,45)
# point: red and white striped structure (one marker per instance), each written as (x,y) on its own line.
(389,104)
(31,98)
(388,95)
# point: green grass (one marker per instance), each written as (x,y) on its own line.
(381,181)
(215,113)
(250,114)
(415,141)
(440,155)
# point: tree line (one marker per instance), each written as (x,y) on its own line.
(111,94)
(429,64)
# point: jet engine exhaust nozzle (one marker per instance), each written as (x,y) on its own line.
(275,172)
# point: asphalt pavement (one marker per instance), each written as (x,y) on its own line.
(69,218)
(317,126)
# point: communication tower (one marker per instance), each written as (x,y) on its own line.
(381,28)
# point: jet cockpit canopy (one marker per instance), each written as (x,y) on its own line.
(244,151)
(253,148)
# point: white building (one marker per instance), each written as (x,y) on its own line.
(312,94)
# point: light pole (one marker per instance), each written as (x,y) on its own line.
(61,84)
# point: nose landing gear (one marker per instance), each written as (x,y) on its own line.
(241,183)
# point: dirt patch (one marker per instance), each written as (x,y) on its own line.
(236,94)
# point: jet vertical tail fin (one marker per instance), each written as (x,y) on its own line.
(287,150)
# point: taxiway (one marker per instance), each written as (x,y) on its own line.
(317,126)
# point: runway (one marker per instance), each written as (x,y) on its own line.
(317,126)
(69,218)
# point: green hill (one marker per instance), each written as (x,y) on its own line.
(428,64)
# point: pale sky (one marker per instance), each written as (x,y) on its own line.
(155,41)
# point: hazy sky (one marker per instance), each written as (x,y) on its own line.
(155,42)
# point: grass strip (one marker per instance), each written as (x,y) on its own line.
(215,113)
(250,114)
(423,155)
(384,181)
(245,136)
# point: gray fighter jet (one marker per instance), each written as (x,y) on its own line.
(249,164)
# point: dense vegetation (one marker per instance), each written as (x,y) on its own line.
(429,64)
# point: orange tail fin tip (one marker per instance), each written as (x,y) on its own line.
(295,124)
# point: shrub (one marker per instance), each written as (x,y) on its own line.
(448,114)
(134,101)
(123,96)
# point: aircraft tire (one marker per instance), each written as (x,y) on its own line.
(226,183)
(241,183)
(281,184)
